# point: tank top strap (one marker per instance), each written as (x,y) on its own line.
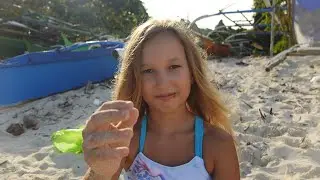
(143,133)
(199,131)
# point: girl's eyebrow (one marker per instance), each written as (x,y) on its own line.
(173,59)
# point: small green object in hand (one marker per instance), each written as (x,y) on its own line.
(68,140)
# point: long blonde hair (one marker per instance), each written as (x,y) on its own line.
(204,99)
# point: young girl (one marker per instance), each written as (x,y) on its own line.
(166,120)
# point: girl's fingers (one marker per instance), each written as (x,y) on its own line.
(133,117)
(100,139)
(106,154)
(116,105)
(103,119)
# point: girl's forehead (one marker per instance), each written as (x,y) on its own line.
(162,47)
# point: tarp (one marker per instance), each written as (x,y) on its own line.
(307,21)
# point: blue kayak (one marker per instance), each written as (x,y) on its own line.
(39,74)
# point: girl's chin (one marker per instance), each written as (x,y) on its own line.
(168,108)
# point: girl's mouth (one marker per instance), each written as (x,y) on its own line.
(166,97)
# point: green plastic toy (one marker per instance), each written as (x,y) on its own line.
(68,140)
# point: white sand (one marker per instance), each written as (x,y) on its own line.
(287,143)
(283,145)
(31,155)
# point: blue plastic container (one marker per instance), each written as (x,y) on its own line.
(35,75)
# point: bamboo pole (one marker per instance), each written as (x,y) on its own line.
(232,20)
(247,19)
(272,27)
(230,12)
(268,5)
(292,38)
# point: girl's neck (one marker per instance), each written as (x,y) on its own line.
(170,123)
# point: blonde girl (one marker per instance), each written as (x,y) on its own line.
(166,120)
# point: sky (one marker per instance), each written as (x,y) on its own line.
(191,9)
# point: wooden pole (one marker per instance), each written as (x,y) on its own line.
(291,5)
(267,3)
(272,27)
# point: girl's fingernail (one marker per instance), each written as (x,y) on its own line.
(129,102)
(125,114)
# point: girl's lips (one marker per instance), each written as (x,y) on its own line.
(166,97)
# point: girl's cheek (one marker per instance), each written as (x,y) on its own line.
(177,74)
(147,79)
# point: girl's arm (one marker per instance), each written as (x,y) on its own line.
(226,165)
(91,175)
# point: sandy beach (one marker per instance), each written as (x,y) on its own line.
(275,116)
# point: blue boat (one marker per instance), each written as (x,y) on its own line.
(40,74)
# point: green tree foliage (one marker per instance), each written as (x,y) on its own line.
(121,16)
(285,20)
(113,17)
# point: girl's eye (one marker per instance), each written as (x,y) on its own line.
(174,66)
(147,71)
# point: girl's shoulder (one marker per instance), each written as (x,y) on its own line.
(216,136)
(217,144)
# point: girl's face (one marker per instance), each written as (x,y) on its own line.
(166,79)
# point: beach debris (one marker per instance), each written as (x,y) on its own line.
(315,81)
(54,97)
(306,51)
(279,58)
(64,104)
(304,143)
(97,102)
(48,114)
(271,113)
(109,83)
(241,119)
(247,104)
(263,116)
(15,129)
(15,116)
(245,130)
(30,122)
(89,87)
(241,63)
(3,162)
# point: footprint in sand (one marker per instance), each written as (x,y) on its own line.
(297,132)
(44,166)
(265,131)
(311,174)
(292,141)
(40,156)
(313,154)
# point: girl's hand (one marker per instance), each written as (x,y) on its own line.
(107,136)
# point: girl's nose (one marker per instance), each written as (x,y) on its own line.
(162,79)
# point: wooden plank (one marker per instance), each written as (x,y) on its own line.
(310,50)
(303,54)
(279,58)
